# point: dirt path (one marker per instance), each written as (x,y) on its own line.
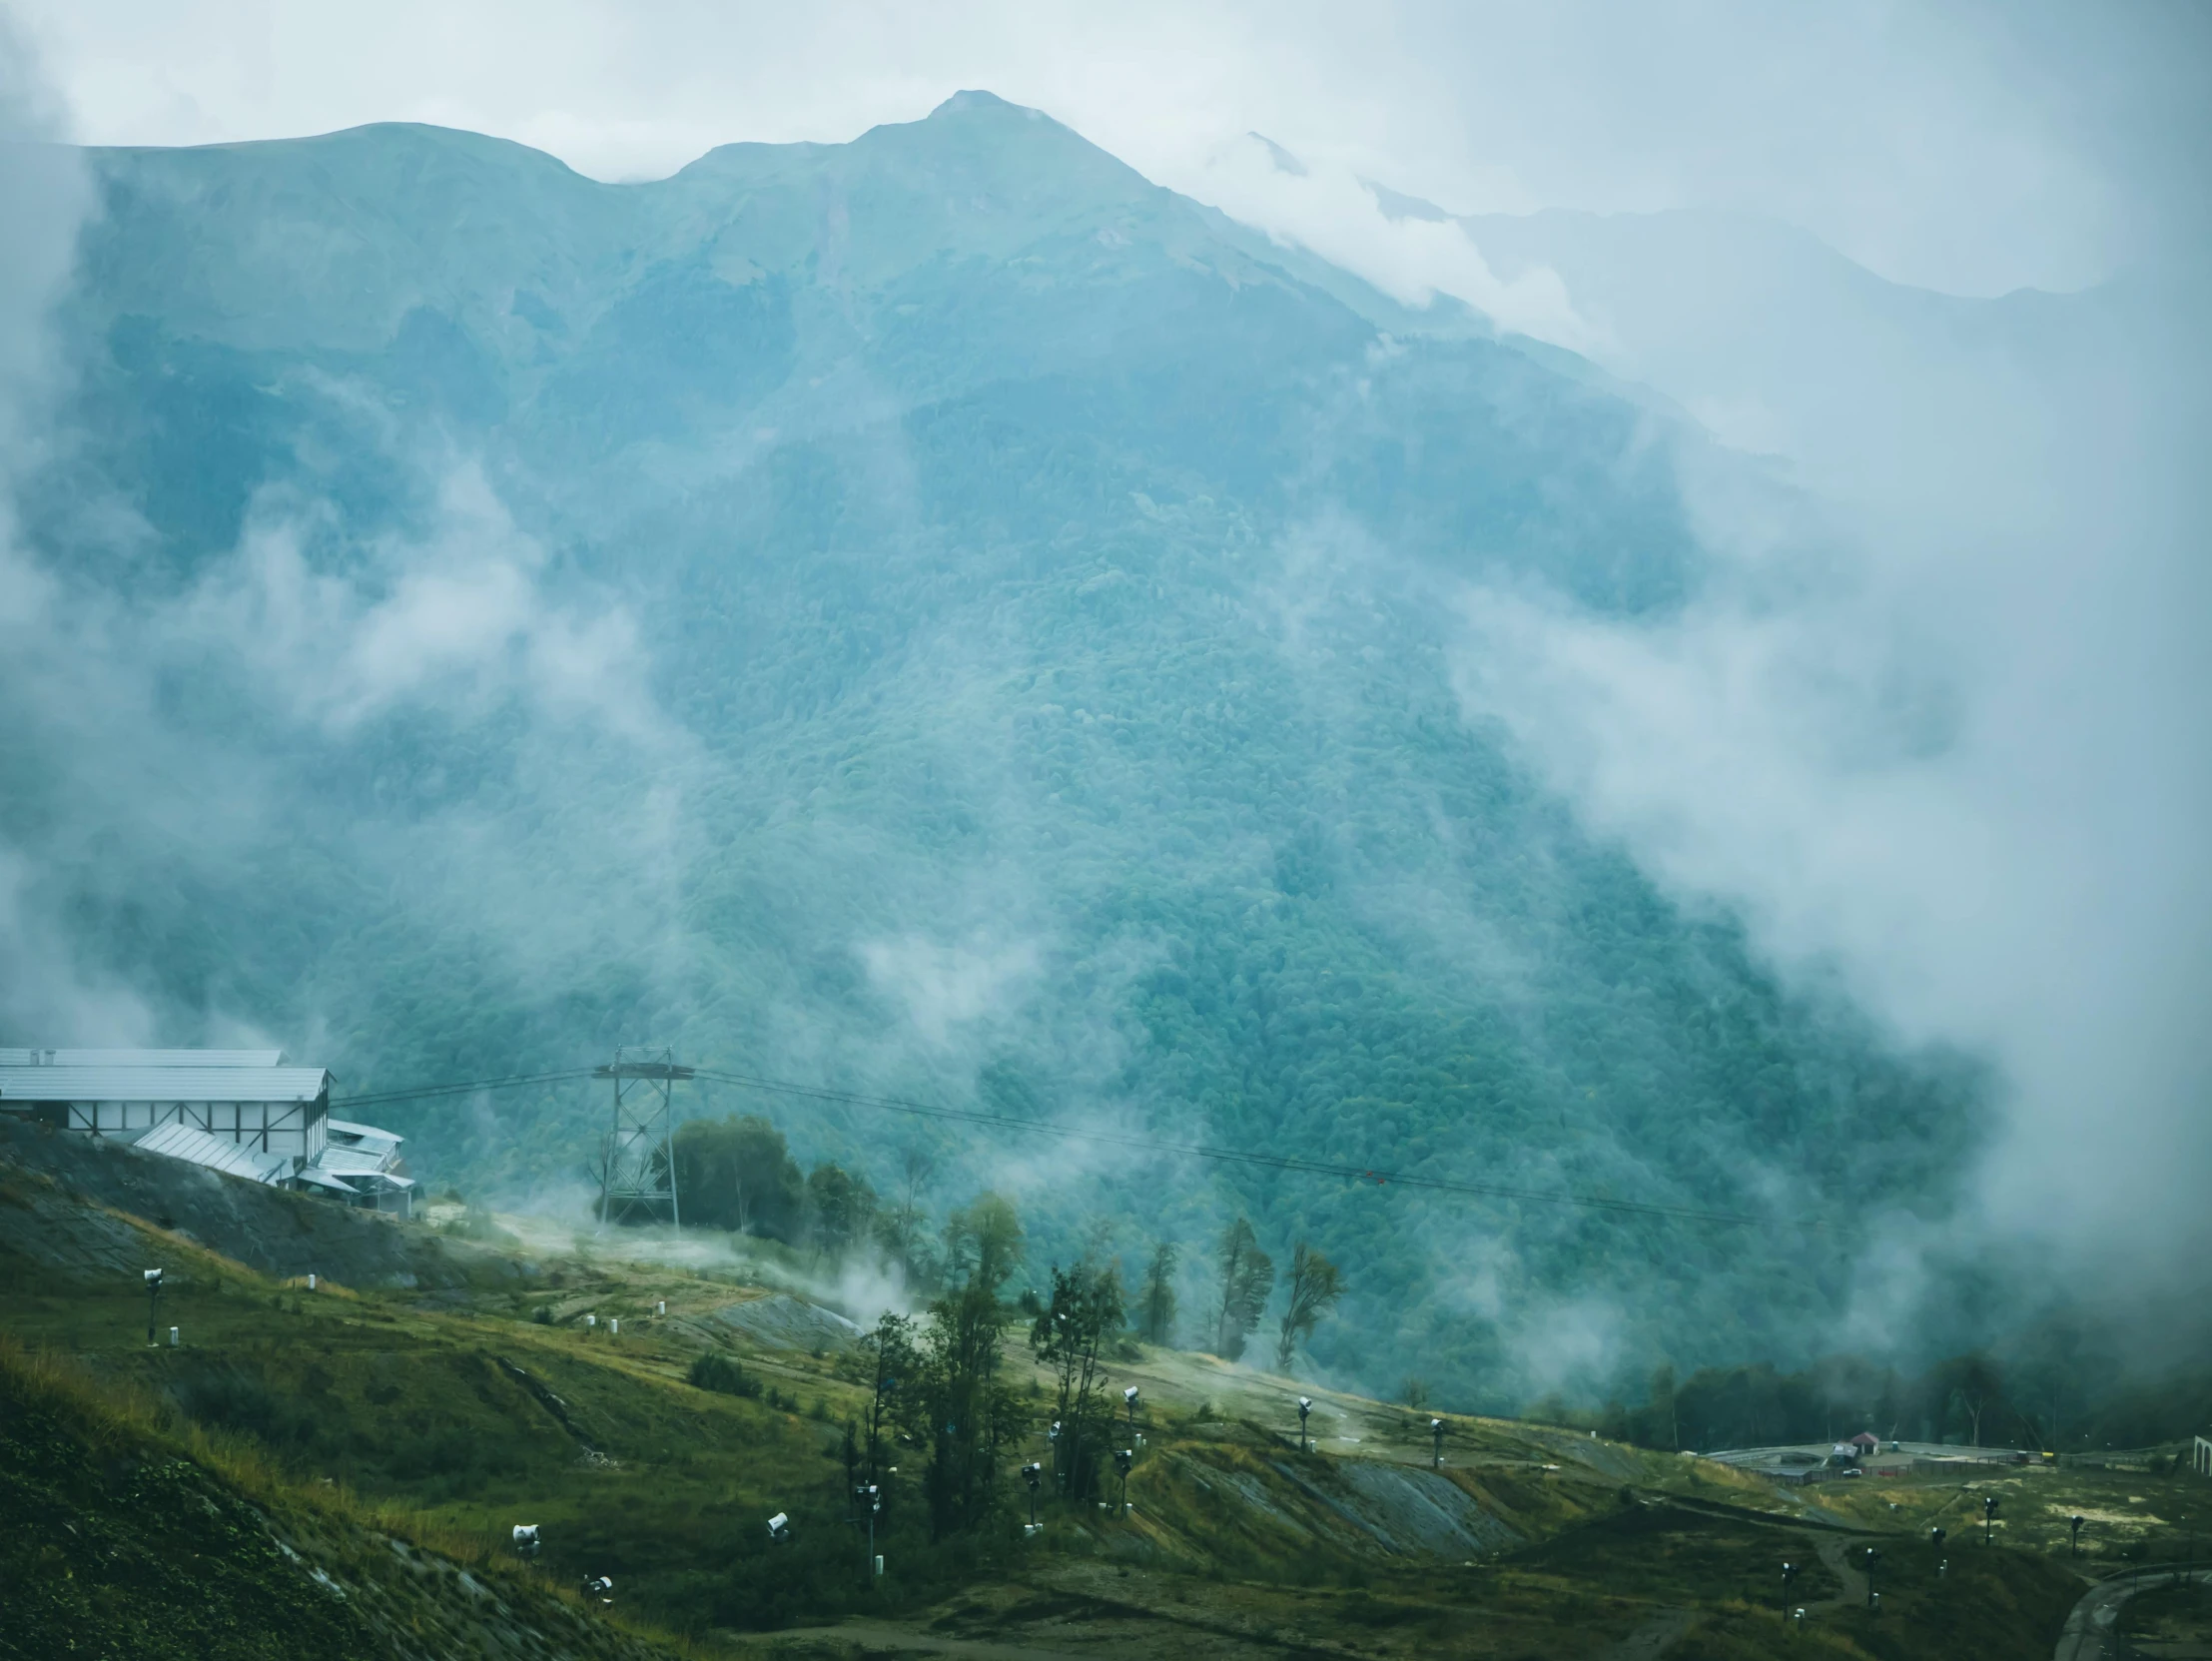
(1654,1638)
(2094,1629)
(1836,1554)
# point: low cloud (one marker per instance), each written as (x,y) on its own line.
(456,621)
(1329,210)
(946,989)
(1953,755)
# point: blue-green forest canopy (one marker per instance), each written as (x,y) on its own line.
(936,616)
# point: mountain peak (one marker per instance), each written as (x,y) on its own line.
(975,101)
(1283,160)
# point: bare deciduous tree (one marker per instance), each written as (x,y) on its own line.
(1157,1308)
(1247,1279)
(1316,1287)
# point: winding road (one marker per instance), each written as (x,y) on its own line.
(2093,1630)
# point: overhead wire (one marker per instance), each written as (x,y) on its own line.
(1230,1156)
(378,1097)
(1114,1139)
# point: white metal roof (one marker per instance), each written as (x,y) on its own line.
(367,1135)
(346,1162)
(183,1141)
(370,1181)
(142,1058)
(162,1084)
(322,1180)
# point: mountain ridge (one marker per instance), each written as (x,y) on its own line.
(1017,670)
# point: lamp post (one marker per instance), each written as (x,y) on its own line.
(1788,1574)
(1436,1439)
(1874,1561)
(1305,1406)
(1935,1535)
(1053,1436)
(1988,1518)
(2073,1548)
(1129,1395)
(153,1304)
(1032,1473)
(870,1499)
(1122,1458)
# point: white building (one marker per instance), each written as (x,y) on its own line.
(366,1161)
(257,1102)
(246,1112)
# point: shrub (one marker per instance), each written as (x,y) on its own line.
(724,1376)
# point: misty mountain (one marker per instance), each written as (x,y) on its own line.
(1779,345)
(936,616)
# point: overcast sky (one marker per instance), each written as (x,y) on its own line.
(1975,149)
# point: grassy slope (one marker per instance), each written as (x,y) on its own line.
(133,1535)
(1238,1543)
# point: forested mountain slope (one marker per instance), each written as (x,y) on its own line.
(935,615)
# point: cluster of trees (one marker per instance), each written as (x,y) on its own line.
(737,1174)
(1247,1281)
(937,1383)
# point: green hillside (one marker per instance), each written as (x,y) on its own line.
(339,1471)
(934,615)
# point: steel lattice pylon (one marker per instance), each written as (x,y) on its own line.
(638,1168)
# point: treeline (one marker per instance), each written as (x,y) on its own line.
(2037,1401)
(738,1174)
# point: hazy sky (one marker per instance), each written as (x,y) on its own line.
(1972,148)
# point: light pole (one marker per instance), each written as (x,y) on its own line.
(1305,1406)
(1874,1560)
(2073,1548)
(1122,1458)
(1129,1395)
(1052,1437)
(1436,1439)
(1789,1573)
(153,1302)
(1032,1473)
(870,1499)
(1935,1535)
(1988,1517)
